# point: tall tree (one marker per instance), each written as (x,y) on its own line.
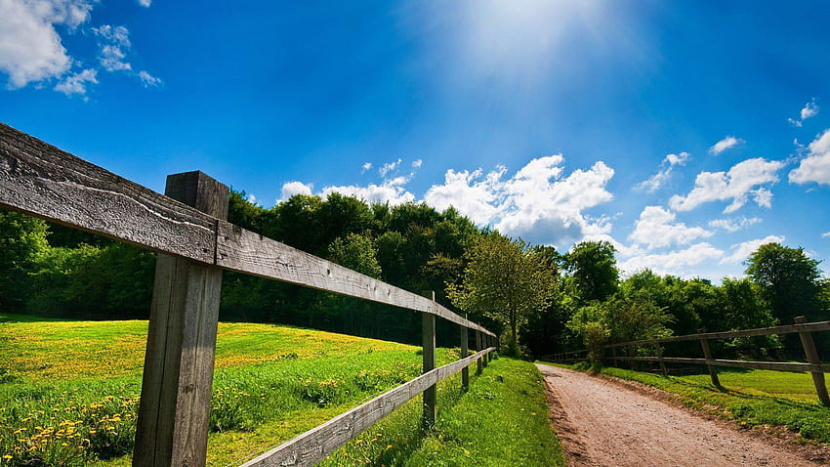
(594,269)
(790,281)
(504,280)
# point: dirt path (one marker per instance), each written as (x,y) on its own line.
(602,423)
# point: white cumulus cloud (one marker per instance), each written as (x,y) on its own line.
(680,263)
(748,178)
(472,195)
(290,189)
(816,166)
(390,191)
(666,168)
(741,251)
(30,46)
(724,144)
(657,228)
(538,203)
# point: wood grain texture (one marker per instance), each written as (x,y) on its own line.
(178,371)
(41,180)
(314,445)
(251,253)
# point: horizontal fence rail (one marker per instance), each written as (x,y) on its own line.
(814,365)
(44,181)
(187,227)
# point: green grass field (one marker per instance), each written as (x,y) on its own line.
(69,396)
(749,397)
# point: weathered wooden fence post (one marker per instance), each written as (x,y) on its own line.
(659,349)
(813,357)
(430,394)
(174,411)
(710,362)
(465,344)
(479,363)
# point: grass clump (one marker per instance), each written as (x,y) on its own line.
(749,397)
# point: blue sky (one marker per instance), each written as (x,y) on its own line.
(687,133)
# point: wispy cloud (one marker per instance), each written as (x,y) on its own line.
(810,110)
(77,83)
(148,80)
(724,144)
(733,225)
(113,44)
(666,168)
(389,167)
(417,164)
(748,178)
(366,167)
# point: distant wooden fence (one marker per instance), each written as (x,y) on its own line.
(804,329)
(188,229)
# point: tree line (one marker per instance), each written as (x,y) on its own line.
(541,301)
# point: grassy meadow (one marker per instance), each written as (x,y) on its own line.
(69,397)
(749,397)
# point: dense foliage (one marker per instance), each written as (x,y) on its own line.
(540,300)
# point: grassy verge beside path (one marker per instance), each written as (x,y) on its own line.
(502,420)
(749,397)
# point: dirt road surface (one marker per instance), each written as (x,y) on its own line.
(602,423)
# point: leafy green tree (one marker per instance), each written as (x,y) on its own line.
(743,307)
(790,281)
(356,252)
(22,244)
(594,269)
(506,281)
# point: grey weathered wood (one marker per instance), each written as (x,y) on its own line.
(41,180)
(710,362)
(813,357)
(311,447)
(788,329)
(465,349)
(479,348)
(178,370)
(431,393)
(248,252)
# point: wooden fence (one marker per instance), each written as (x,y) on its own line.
(188,229)
(814,365)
